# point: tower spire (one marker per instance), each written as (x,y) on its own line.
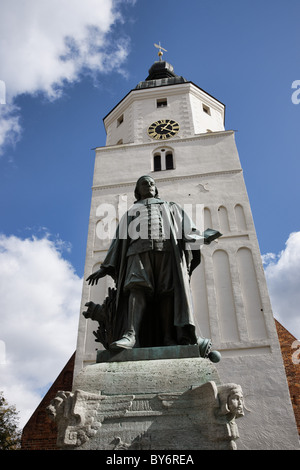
(160,53)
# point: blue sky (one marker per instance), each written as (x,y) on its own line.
(244,53)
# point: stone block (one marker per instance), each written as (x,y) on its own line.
(145,376)
(162,404)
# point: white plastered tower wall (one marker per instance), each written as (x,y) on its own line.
(231,300)
(186,102)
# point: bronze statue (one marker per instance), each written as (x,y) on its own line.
(151,259)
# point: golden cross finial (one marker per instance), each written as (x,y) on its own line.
(160,53)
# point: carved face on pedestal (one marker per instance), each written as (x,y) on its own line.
(231,400)
(236,402)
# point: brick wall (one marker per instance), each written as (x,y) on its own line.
(40,432)
(286,340)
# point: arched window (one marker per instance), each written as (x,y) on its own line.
(240,218)
(223,219)
(163,159)
(207,218)
(225,297)
(251,295)
(157,162)
(169,161)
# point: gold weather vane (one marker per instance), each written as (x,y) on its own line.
(160,53)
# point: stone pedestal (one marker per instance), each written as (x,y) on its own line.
(170,403)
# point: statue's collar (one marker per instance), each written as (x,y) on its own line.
(150,200)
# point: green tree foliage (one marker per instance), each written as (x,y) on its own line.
(10,435)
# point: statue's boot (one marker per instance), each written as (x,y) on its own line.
(127,341)
(135,313)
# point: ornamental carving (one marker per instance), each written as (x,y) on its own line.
(207,415)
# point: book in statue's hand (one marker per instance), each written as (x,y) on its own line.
(210,235)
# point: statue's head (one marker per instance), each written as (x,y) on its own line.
(231,399)
(145,187)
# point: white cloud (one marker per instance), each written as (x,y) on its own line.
(10,128)
(45,44)
(283,279)
(268,258)
(39,303)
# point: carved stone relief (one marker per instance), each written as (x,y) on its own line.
(200,418)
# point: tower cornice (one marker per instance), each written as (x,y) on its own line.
(158,179)
(208,135)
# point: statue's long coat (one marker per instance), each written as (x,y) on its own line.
(183,236)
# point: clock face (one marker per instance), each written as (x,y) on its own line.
(163,129)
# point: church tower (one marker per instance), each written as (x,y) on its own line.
(171,129)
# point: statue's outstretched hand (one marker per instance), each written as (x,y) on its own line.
(93,278)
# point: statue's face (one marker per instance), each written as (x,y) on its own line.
(236,403)
(146,187)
